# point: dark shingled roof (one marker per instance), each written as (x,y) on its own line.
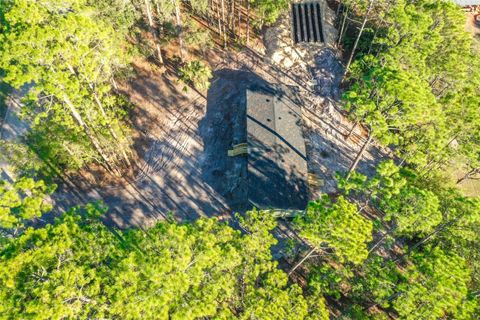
(277,166)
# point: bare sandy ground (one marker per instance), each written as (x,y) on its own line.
(182,139)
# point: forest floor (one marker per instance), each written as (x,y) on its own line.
(182,139)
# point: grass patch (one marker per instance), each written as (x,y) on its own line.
(457,170)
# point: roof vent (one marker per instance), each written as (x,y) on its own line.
(307,22)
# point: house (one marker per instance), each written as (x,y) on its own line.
(467,3)
(277,162)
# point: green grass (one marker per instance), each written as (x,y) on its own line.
(456,170)
(470,187)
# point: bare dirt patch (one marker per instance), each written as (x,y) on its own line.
(167,140)
(182,139)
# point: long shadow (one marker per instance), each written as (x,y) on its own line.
(200,178)
(328,74)
(262,178)
(273,132)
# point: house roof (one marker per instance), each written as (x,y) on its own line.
(465,3)
(277,164)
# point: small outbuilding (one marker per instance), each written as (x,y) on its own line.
(467,3)
(472,6)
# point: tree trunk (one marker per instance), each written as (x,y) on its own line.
(342,29)
(360,154)
(248,22)
(426,168)
(338,8)
(365,19)
(470,174)
(224,23)
(374,36)
(114,84)
(429,236)
(239,22)
(178,21)
(86,129)
(219,18)
(351,130)
(231,19)
(153,31)
(376,245)
(110,128)
(301,261)
(102,111)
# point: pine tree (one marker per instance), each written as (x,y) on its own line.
(398,194)
(21,201)
(269,10)
(437,286)
(78,268)
(411,90)
(337,226)
(67,60)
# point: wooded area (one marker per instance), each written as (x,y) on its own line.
(401,243)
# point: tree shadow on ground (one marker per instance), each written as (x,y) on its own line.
(245,181)
(183,141)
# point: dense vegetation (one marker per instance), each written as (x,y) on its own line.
(79,268)
(403,243)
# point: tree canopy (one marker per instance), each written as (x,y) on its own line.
(409,84)
(77,267)
(338,226)
(22,200)
(397,240)
(66,58)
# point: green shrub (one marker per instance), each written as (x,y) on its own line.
(196,73)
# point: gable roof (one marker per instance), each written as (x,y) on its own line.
(277,164)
